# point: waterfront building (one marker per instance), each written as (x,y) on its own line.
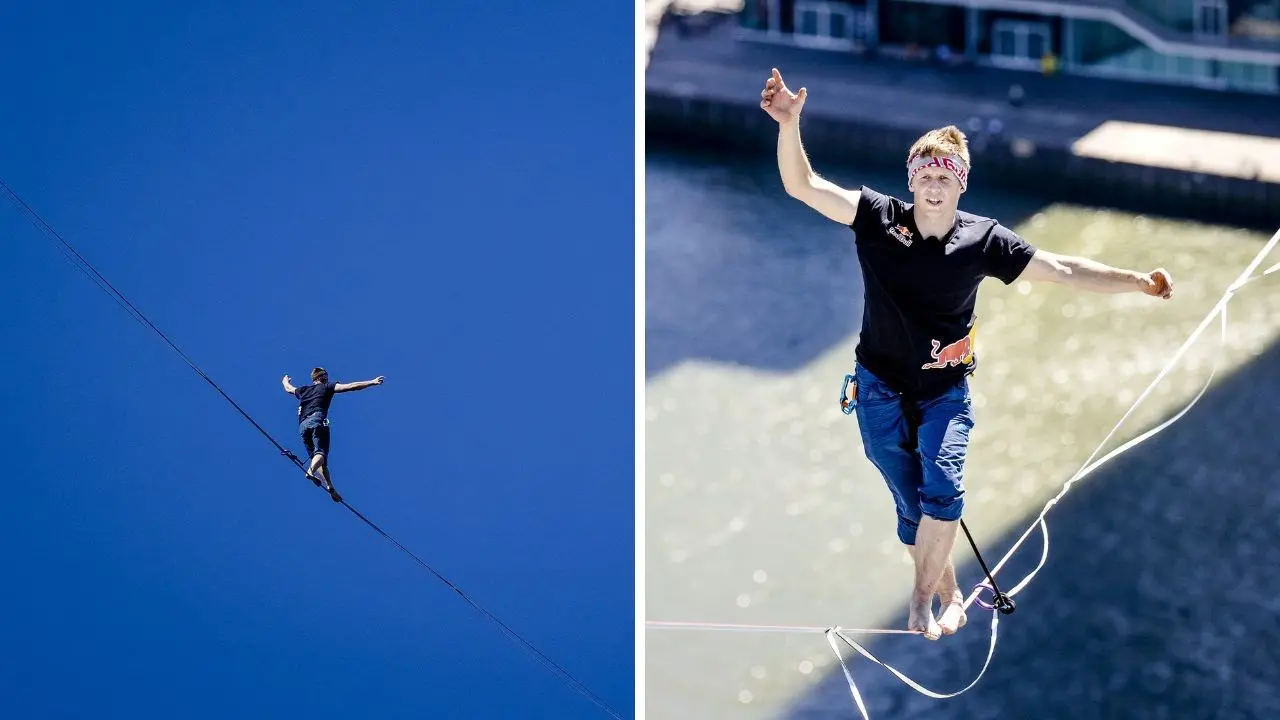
(1215,44)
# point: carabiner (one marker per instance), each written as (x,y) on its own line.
(847,404)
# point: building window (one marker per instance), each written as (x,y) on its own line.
(1020,44)
(807,22)
(829,24)
(839,26)
(1250,76)
(755,15)
(1037,45)
(1211,18)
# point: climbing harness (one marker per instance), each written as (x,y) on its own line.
(1003,602)
(89,270)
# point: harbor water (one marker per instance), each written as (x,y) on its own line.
(1159,598)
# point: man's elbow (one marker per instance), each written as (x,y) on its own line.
(1047,268)
(805,193)
(797,186)
(1053,275)
(1062,274)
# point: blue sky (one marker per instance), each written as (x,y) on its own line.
(441,193)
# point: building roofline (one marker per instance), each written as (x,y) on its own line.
(1143,29)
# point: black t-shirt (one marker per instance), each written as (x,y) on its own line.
(314,398)
(918,314)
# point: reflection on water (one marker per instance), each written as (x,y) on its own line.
(761,508)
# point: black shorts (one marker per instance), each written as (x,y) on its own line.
(315,435)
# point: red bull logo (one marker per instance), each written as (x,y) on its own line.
(902,234)
(959,352)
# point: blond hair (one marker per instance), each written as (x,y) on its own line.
(943,141)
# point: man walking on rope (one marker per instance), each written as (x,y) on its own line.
(922,263)
(313,421)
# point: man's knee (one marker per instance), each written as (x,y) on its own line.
(942,492)
(907,529)
(947,506)
(322,441)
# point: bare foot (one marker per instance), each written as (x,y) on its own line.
(953,617)
(920,619)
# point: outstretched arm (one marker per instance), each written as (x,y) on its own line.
(1092,276)
(288,386)
(351,387)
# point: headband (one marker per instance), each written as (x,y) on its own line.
(950,163)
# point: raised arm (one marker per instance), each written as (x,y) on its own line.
(798,176)
(288,386)
(351,387)
(1092,276)
(807,186)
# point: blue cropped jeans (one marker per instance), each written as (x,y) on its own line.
(929,479)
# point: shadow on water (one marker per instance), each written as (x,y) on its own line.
(738,272)
(1159,599)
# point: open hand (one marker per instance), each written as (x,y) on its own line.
(286,378)
(1158,283)
(781,104)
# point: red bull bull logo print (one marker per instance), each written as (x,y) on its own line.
(959,352)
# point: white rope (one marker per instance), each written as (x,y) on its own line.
(1219,310)
(1044,557)
(734,627)
(853,688)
